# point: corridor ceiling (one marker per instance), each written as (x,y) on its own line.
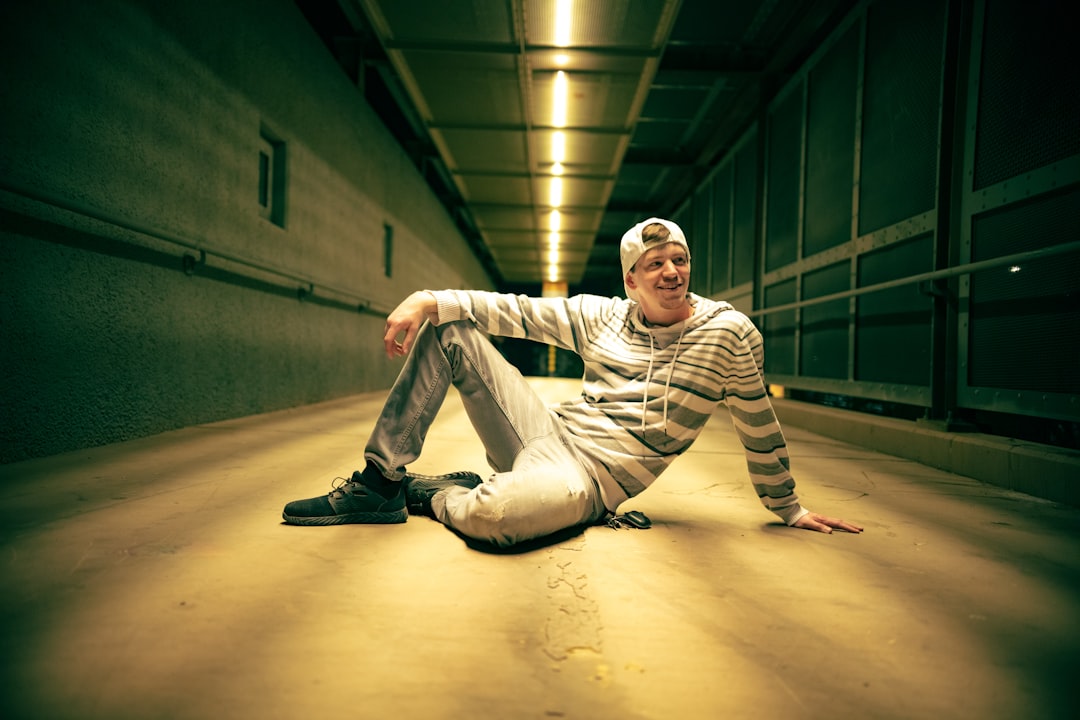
(608,111)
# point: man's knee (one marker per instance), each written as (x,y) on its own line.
(505,519)
(489,516)
(467,350)
(485,515)
(458,332)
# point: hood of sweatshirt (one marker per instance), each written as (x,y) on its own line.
(662,336)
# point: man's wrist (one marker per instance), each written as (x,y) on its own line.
(445,306)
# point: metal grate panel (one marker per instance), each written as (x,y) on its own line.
(1029,90)
(1024,319)
(778,330)
(823,340)
(744,227)
(458,22)
(716,23)
(657,133)
(782,181)
(721,230)
(485,150)
(900,124)
(892,336)
(494,189)
(698,238)
(676,103)
(830,146)
(461,87)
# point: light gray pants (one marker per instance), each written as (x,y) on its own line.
(539,486)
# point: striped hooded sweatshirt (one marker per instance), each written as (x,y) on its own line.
(647,391)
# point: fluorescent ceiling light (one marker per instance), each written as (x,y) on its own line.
(556,192)
(558,115)
(563,12)
(558,146)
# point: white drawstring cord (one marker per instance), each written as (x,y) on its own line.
(648,379)
(667,385)
(671,370)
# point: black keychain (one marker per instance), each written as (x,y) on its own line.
(631,519)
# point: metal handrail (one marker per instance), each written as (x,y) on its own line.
(365,304)
(1014,259)
(73,206)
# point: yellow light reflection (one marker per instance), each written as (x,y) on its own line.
(558,146)
(558,115)
(563,18)
(556,192)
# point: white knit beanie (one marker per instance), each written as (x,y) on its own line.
(633,247)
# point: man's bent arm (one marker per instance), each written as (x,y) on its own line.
(405,321)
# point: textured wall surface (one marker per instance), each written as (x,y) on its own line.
(130,128)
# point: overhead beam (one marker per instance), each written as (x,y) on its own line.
(510,48)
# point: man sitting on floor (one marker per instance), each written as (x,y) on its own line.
(657,365)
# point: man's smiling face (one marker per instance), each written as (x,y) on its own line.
(661,278)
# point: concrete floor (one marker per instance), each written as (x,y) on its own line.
(154,579)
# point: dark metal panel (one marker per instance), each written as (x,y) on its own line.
(720,246)
(1024,319)
(900,111)
(698,236)
(681,215)
(745,208)
(823,331)
(1029,89)
(1018,348)
(782,179)
(495,189)
(458,22)
(472,89)
(779,330)
(657,133)
(892,335)
(491,151)
(715,23)
(634,182)
(675,103)
(830,146)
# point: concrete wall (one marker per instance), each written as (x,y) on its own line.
(130,128)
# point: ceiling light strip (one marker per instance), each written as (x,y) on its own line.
(563,17)
(558,114)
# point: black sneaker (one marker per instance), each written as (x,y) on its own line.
(352,501)
(419,489)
